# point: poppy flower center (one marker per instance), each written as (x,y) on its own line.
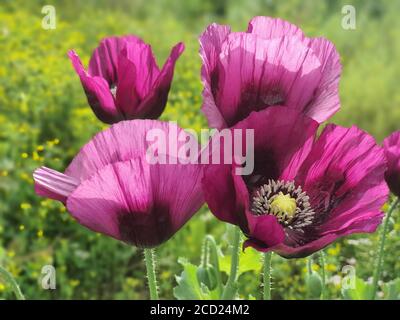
(288,203)
(283,206)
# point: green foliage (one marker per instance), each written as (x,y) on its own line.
(250,260)
(361,291)
(45,120)
(189,287)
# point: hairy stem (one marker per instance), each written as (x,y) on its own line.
(267,276)
(11,281)
(230,287)
(323,276)
(149,258)
(380,253)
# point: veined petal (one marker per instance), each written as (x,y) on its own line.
(392,152)
(211,42)
(255,73)
(269,28)
(154,103)
(326,100)
(136,202)
(124,141)
(97,91)
(104,60)
(52,184)
(283,137)
(343,175)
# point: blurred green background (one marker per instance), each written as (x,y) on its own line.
(45,119)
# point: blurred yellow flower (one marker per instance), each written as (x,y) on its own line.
(25,206)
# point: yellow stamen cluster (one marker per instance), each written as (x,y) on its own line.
(283,207)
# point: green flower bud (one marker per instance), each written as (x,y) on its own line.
(208,276)
(314,285)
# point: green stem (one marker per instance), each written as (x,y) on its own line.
(230,287)
(14,285)
(323,276)
(267,275)
(151,273)
(211,246)
(380,251)
(309,265)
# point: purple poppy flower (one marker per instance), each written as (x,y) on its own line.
(273,63)
(392,151)
(304,192)
(110,186)
(123,80)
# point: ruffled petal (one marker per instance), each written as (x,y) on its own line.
(270,28)
(52,184)
(392,152)
(282,139)
(137,72)
(222,196)
(367,225)
(344,177)
(326,100)
(138,203)
(255,73)
(104,60)
(125,140)
(155,101)
(97,91)
(211,42)
(265,232)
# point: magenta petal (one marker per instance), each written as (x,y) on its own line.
(392,152)
(211,41)
(307,249)
(282,139)
(221,195)
(265,232)
(154,103)
(272,64)
(210,47)
(326,100)
(256,73)
(122,142)
(104,60)
(52,184)
(138,203)
(97,91)
(367,225)
(145,69)
(343,175)
(269,28)
(127,99)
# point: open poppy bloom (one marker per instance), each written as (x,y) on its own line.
(123,80)
(304,192)
(273,63)
(391,146)
(111,187)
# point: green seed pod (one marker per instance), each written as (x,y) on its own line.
(314,285)
(208,276)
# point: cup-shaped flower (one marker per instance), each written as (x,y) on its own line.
(273,63)
(113,186)
(304,191)
(391,146)
(123,80)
